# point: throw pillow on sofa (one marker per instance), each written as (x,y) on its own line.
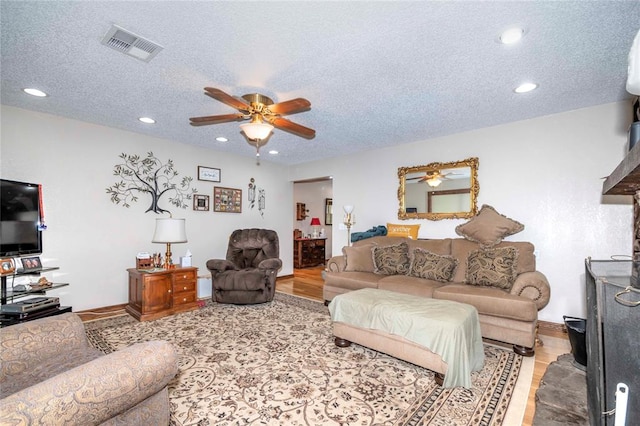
(488,227)
(358,258)
(402,230)
(495,267)
(391,260)
(425,264)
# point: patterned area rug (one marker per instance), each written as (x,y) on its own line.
(276,363)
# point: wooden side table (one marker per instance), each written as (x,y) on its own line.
(308,252)
(154,295)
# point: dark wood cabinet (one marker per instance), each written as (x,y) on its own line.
(308,252)
(154,295)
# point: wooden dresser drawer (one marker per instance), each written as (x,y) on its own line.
(185,276)
(183,298)
(184,287)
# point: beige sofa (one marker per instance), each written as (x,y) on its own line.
(508,309)
(50,374)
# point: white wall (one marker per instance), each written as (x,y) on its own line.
(545,172)
(313,195)
(94,241)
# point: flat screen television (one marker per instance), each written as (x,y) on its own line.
(19,219)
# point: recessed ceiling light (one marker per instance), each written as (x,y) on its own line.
(525,87)
(222,139)
(273,152)
(147,120)
(511,36)
(35,92)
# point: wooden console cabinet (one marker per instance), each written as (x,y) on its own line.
(308,252)
(153,295)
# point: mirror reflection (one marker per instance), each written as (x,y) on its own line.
(439,190)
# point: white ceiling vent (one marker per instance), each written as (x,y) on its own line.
(131,44)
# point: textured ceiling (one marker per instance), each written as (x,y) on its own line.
(376,73)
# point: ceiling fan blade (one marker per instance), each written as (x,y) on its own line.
(290,107)
(215,119)
(225,98)
(291,127)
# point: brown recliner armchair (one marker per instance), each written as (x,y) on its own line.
(248,274)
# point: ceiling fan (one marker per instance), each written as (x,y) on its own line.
(434,178)
(261,110)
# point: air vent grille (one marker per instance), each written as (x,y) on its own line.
(131,44)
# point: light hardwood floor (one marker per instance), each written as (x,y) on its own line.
(308,283)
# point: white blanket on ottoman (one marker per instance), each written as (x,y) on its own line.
(446,328)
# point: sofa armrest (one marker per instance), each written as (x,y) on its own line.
(534,286)
(96,391)
(336,264)
(272,263)
(28,344)
(220,265)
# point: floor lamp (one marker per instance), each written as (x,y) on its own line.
(349,221)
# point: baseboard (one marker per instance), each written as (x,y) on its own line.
(284,277)
(103,310)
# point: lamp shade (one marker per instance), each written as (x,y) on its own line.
(348,209)
(169,230)
(256,130)
(315,221)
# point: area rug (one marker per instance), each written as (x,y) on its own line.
(276,364)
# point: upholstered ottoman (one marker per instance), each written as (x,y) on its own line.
(440,335)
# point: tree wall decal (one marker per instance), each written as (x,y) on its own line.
(151,176)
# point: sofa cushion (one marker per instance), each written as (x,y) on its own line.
(489,301)
(442,246)
(492,267)
(391,260)
(488,227)
(403,230)
(425,264)
(409,285)
(359,258)
(460,249)
(352,280)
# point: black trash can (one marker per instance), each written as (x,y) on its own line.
(577,328)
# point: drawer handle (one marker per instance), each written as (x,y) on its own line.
(169,290)
(184,288)
(184,300)
(184,276)
(624,302)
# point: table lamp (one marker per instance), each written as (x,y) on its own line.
(315,222)
(169,231)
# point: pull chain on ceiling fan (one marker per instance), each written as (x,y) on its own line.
(263,113)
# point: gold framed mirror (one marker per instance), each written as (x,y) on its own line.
(439,190)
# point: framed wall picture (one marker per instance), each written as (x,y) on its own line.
(209,174)
(201,202)
(227,200)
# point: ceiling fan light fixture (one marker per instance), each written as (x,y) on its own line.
(256,130)
(434,181)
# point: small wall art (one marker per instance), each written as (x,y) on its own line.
(209,173)
(201,202)
(227,200)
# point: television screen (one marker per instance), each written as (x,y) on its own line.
(19,219)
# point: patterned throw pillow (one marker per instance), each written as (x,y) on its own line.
(358,258)
(402,230)
(391,260)
(492,267)
(431,266)
(488,227)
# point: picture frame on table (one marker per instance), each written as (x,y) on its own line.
(201,202)
(210,174)
(227,200)
(31,264)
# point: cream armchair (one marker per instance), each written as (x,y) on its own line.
(50,374)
